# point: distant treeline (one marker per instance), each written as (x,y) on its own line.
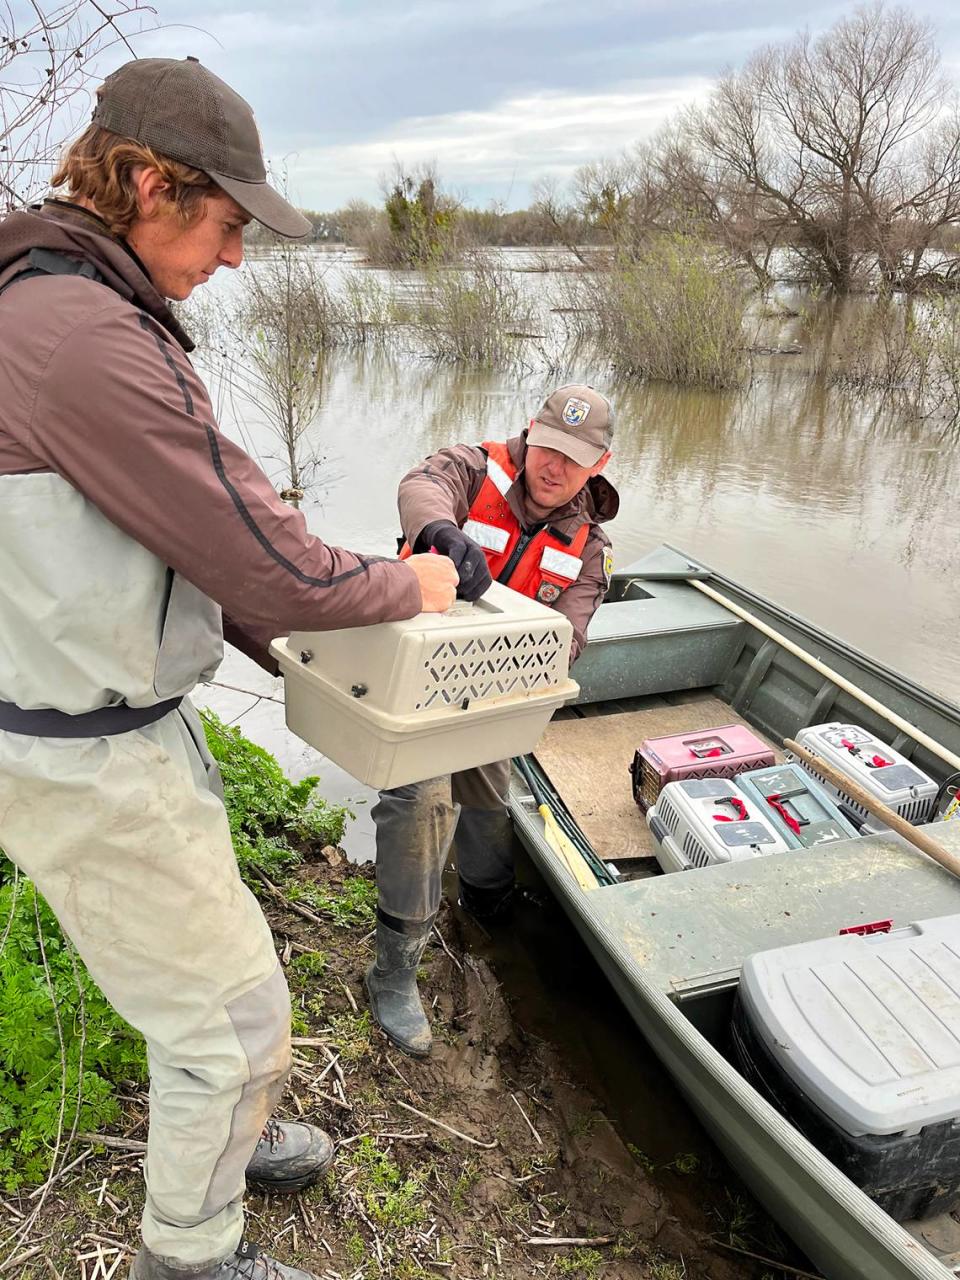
(834,160)
(356,224)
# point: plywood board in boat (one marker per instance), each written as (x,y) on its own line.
(588,761)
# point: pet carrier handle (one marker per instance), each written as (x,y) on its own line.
(919,839)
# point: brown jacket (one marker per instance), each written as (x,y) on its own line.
(445,486)
(96,389)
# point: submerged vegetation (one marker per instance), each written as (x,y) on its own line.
(474,314)
(905,349)
(670,311)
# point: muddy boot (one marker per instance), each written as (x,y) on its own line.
(392,984)
(488,904)
(289,1156)
(246,1264)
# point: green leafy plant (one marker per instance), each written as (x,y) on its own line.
(390,1198)
(351,1034)
(351,903)
(62,1046)
(311,964)
(270,816)
(580,1262)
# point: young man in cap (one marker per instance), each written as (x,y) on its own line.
(127,522)
(528,513)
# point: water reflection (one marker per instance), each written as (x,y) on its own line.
(830,503)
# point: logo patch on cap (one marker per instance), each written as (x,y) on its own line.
(575,412)
(547,592)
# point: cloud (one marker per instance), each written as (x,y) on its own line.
(496,153)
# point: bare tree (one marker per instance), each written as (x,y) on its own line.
(49,59)
(286,318)
(561,221)
(844,142)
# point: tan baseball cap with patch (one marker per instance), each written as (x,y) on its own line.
(183,111)
(575,420)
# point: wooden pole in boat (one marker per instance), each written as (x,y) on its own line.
(840,681)
(920,839)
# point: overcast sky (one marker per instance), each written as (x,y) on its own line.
(497,92)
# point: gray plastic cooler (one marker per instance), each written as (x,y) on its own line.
(857,1040)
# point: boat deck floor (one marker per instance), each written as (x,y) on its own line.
(586,752)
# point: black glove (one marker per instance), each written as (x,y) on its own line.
(470,562)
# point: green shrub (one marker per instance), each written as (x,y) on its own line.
(47,1090)
(907,349)
(472,315)
(671,310)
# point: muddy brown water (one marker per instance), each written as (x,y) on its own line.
(833,505)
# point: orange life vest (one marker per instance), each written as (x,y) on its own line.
(540,564)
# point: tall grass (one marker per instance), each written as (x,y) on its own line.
(671,310)
(476,315)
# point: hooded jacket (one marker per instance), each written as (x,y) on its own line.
(127,520)
(446,485)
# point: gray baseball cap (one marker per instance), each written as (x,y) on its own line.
(183,111)
(575,420)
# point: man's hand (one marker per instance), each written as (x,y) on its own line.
(438,582)
(471,563)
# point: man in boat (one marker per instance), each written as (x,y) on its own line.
(127,521)
(527,513)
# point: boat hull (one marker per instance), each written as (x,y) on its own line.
(839,1228)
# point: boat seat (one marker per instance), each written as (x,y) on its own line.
(668,639)
(691,932)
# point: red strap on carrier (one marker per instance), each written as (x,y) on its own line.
(875,762)
(865,930)
(776,802)
(738,805)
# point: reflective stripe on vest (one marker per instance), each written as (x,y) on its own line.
(487,536)
(501,479)
(561,562)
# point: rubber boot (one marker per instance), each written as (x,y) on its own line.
(248,1263)
(484,847)
(392,984)
(488,904)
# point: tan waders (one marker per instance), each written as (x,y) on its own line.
(416,826)
(130,846)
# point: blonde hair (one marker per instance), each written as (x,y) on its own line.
(100,166)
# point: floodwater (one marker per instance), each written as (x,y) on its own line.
(834,506)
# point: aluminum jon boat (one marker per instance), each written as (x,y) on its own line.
(665,656)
